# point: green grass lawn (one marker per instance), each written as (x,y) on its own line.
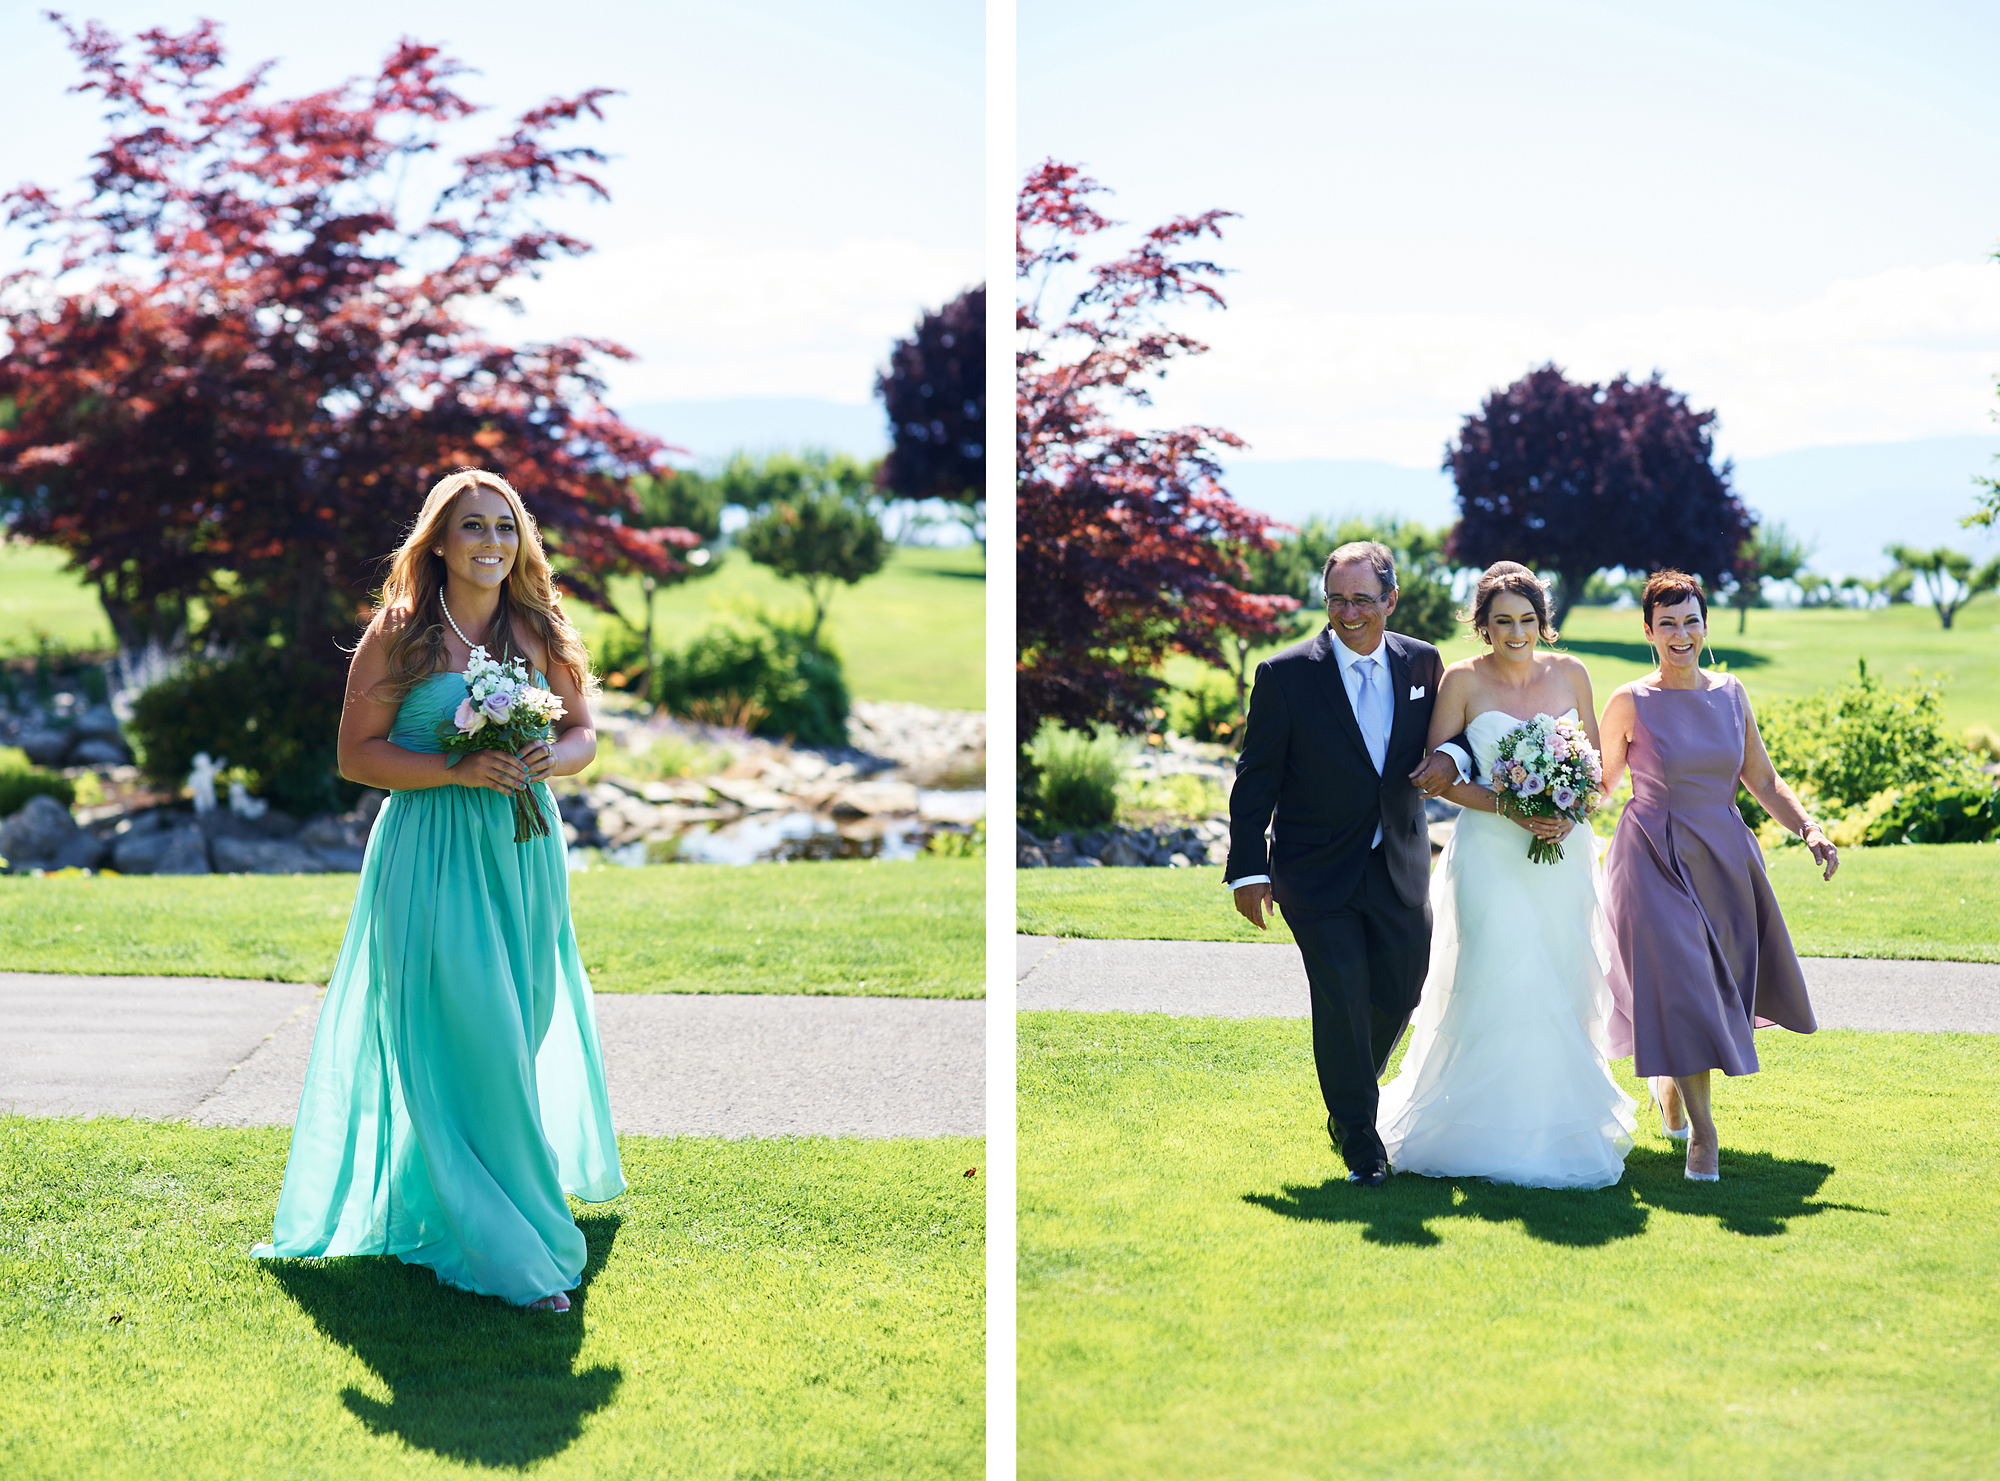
(37,597)
(1787,652)
(915,631)
(1929,902)
(1201,1294)
(791,1307)
(862,928)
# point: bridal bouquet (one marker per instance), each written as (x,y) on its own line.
(1547,769)
(503,711)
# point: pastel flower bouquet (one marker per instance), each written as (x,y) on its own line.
(503,711)
(1547,768)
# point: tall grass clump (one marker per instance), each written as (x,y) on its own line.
(1076,776)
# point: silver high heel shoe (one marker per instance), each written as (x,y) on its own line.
(1660,1105)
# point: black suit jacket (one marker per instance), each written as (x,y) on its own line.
(1305,772)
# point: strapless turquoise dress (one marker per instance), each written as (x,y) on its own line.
(456,1088)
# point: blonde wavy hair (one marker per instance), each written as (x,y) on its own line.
(412,600)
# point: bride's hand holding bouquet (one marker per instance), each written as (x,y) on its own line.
(503,711)
(1547,768)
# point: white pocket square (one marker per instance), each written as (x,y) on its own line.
(1417,691)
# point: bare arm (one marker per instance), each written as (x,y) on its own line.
(1760,778)
(1616,730)
(368,756)
(1581,697)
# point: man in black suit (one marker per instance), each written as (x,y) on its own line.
(1333,764)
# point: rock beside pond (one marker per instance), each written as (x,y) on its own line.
(186,852)
(1125,848)
(36,833)
(263,856)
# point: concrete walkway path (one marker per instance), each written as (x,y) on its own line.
(229,1053)
(1229,979)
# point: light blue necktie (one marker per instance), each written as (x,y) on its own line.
(1368,710)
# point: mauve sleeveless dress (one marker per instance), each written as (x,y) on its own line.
(1700,954)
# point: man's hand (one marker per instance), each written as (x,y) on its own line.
(1437,772)
(1252,900)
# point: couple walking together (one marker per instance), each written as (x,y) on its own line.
(1523,978)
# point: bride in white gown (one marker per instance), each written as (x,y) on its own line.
(1504,1076)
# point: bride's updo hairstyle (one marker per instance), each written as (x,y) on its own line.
(412,602)
(1514,577)
(1669,588)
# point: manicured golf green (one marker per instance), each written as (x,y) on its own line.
(1201,1293)
(861,928)
(792,1307)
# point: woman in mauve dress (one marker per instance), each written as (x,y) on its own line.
(1700,957)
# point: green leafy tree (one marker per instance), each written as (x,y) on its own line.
(672,500)
(1771,554)
(1947,577)
(813,524)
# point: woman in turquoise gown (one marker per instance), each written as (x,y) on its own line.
(456,1089)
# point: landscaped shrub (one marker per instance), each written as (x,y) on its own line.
(280,727)
(768,678)
(1841,747)
(1961,810)
(1206,711)
(19,780)
(1076,776)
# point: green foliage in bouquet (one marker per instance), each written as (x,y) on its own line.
(20,780)
(764,676)
(281,731)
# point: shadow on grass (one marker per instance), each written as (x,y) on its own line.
(1759,1195)
(1402,1210)
(1642,653)
(470,1378)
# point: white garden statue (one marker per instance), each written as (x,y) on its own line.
(201,781)
(243,804)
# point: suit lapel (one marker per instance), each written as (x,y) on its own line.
(1404,712)
(1332,688)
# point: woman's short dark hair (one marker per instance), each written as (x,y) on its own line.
(1522,582)
(1669,588)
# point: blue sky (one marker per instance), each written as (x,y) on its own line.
(793,181)
(1788,209)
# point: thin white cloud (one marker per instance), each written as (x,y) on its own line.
(711,317)
(1901,354)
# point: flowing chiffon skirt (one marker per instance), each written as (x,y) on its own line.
(456,1088)
(1505,1077)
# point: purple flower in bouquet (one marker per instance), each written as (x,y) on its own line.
(498,705)
(1533,786)
(1563,797)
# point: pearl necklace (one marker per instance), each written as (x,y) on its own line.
(454,623)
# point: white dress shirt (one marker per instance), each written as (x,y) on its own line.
(1375,721)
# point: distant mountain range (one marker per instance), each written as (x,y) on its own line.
(1845,502)
(711,430)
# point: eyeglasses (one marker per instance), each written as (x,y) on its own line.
(1363,605)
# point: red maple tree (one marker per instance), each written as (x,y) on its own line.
(1127,547)
(249,363)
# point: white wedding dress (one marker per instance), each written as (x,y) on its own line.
(1504,1077)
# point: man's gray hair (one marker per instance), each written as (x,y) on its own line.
(1374,552)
